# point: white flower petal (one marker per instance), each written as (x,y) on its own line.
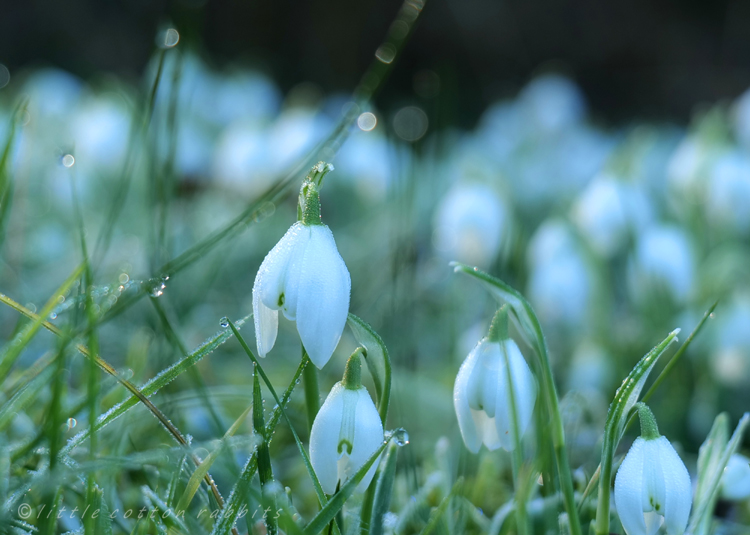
(461,392)
(330,465)
(524,387)
(324,439)
(323,296)
(294,272)
(266,326)
(678,490)
(368,436)
(270,281)
(629,490)
(487,430)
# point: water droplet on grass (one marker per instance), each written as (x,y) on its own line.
(224,322)
(71,423)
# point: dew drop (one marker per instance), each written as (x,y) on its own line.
(224,322)
(400,436)
(68,160)
(71,423)
(367,121)
(386,53)
(168,38)
(53,316)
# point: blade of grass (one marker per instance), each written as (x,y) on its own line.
(378,361)
(239,492)
(12,350)
(383,493)
(437,515)
(300,447)
(265,472)
(713,479)
(202,469)
(334,505)
(170,427)
(6,182)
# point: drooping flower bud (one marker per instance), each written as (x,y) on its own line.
(652,485)
(482,392)
(305,277)
(346,432)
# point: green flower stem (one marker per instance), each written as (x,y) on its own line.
(549,391)
(312,390)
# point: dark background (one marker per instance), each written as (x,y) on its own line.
(634,59)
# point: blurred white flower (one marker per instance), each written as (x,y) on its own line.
(663,259)
(590,369)
(305,277)
(731,346)
(194,150)
(607,210)
(653,487)
(600,214)
(100,130)
(560,280)
(346,432)
(690,166)
(735,482)
(553,103)
(481,394)
(501,130)
(296,132)
(53,93)
(242,160)
(729,191)
(367,160)
(470,223)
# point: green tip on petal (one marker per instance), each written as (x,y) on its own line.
(499,326)
(353,371)
(649,429)
(311,214)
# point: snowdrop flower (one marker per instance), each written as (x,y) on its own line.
(652,485)
(731,343)
(305,277)
(735,483)
(663,259)
(482,394)
(346,432)
(729,191)
(553,103)
(608,209)
(470,223)
(560,282)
